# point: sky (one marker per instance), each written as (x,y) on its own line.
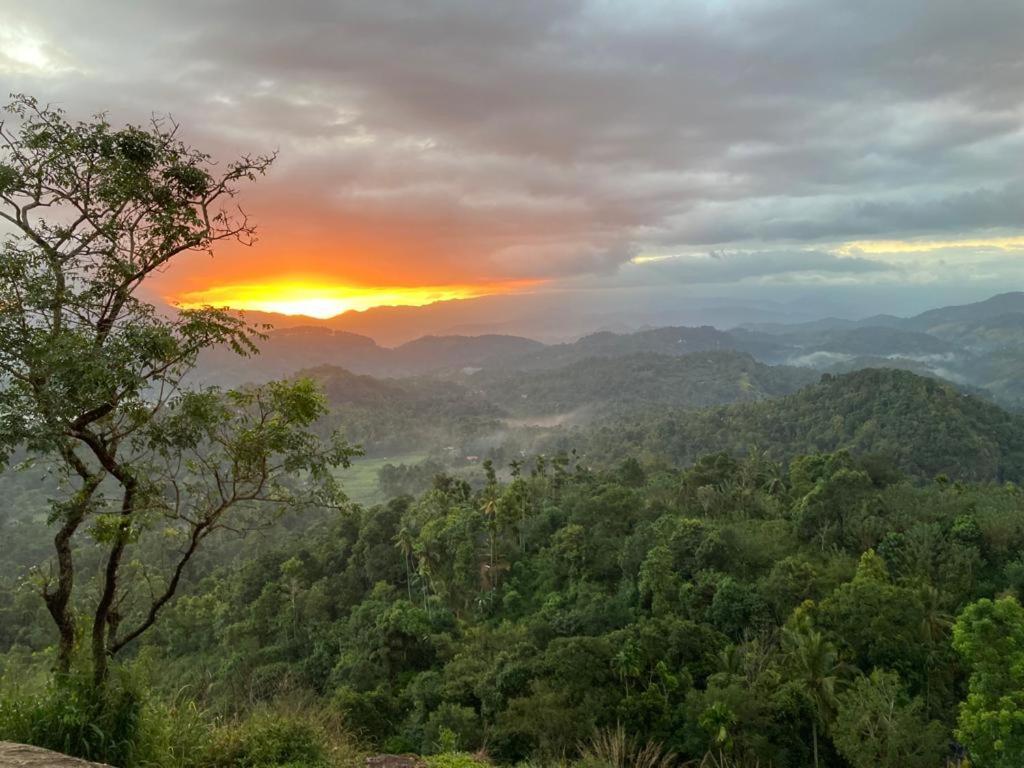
(860,156)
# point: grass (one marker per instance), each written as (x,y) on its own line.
(360,480)
(613,748)
(125,725)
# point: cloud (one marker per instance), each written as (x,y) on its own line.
(457,142)
(731,267)
(23,52)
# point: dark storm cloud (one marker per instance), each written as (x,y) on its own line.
(554,137)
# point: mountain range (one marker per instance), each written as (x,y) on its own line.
(979,346)
(916,390)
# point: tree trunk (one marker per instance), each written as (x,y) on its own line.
(408,577)
(814,737)
(57,601)
(103,620)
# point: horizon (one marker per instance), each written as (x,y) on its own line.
(450,153)
(393,337)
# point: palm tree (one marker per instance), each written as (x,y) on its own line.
(490,513)
(627,663)
(730,660)
(428,560)
(935,626)
(936,622)
(816,669)
(404,543)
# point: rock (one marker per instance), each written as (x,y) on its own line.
(22,756)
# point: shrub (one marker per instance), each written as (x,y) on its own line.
(121,724)
(71,715)
(280,738)
(457,760)
(268,740)
(451,727)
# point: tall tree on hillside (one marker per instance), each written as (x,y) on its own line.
(816,669)
(879,726)
(92,375)
(989,637)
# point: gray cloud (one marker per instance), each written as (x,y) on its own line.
(548,138)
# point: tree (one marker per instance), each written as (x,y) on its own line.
(816,669)
(94,377)
(831,491)
(877,623)
(989,637)
(879,726)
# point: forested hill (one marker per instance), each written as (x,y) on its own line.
(423,413)
(696,380)
(926,427)
(396,416)
(671,341)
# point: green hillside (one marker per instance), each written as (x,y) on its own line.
(925,426)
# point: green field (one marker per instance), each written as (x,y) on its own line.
(360,480)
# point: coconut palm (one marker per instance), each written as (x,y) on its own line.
(404,542)
(816,669)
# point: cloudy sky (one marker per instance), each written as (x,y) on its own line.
(768,149)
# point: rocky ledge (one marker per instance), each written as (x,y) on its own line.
(21,756)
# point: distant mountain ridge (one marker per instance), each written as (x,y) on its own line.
(980,345)
(937,321)
(288,350)
(930,320)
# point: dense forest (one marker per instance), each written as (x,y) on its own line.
(738,608)
(924,426)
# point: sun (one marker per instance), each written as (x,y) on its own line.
(312,298)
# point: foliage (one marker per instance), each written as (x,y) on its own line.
(121,724)
(989,636)
(269,739)
(94,376)
(879,726)
(687,608)
(612,748)
(456,760)
(923,427)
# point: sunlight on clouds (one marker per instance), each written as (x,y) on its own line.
(1013,243)
(22,52)
(315,299)
(653,258)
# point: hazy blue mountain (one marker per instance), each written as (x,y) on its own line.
(979,345)
(432,353)
(948,319)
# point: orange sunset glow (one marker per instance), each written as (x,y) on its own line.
(323,300)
